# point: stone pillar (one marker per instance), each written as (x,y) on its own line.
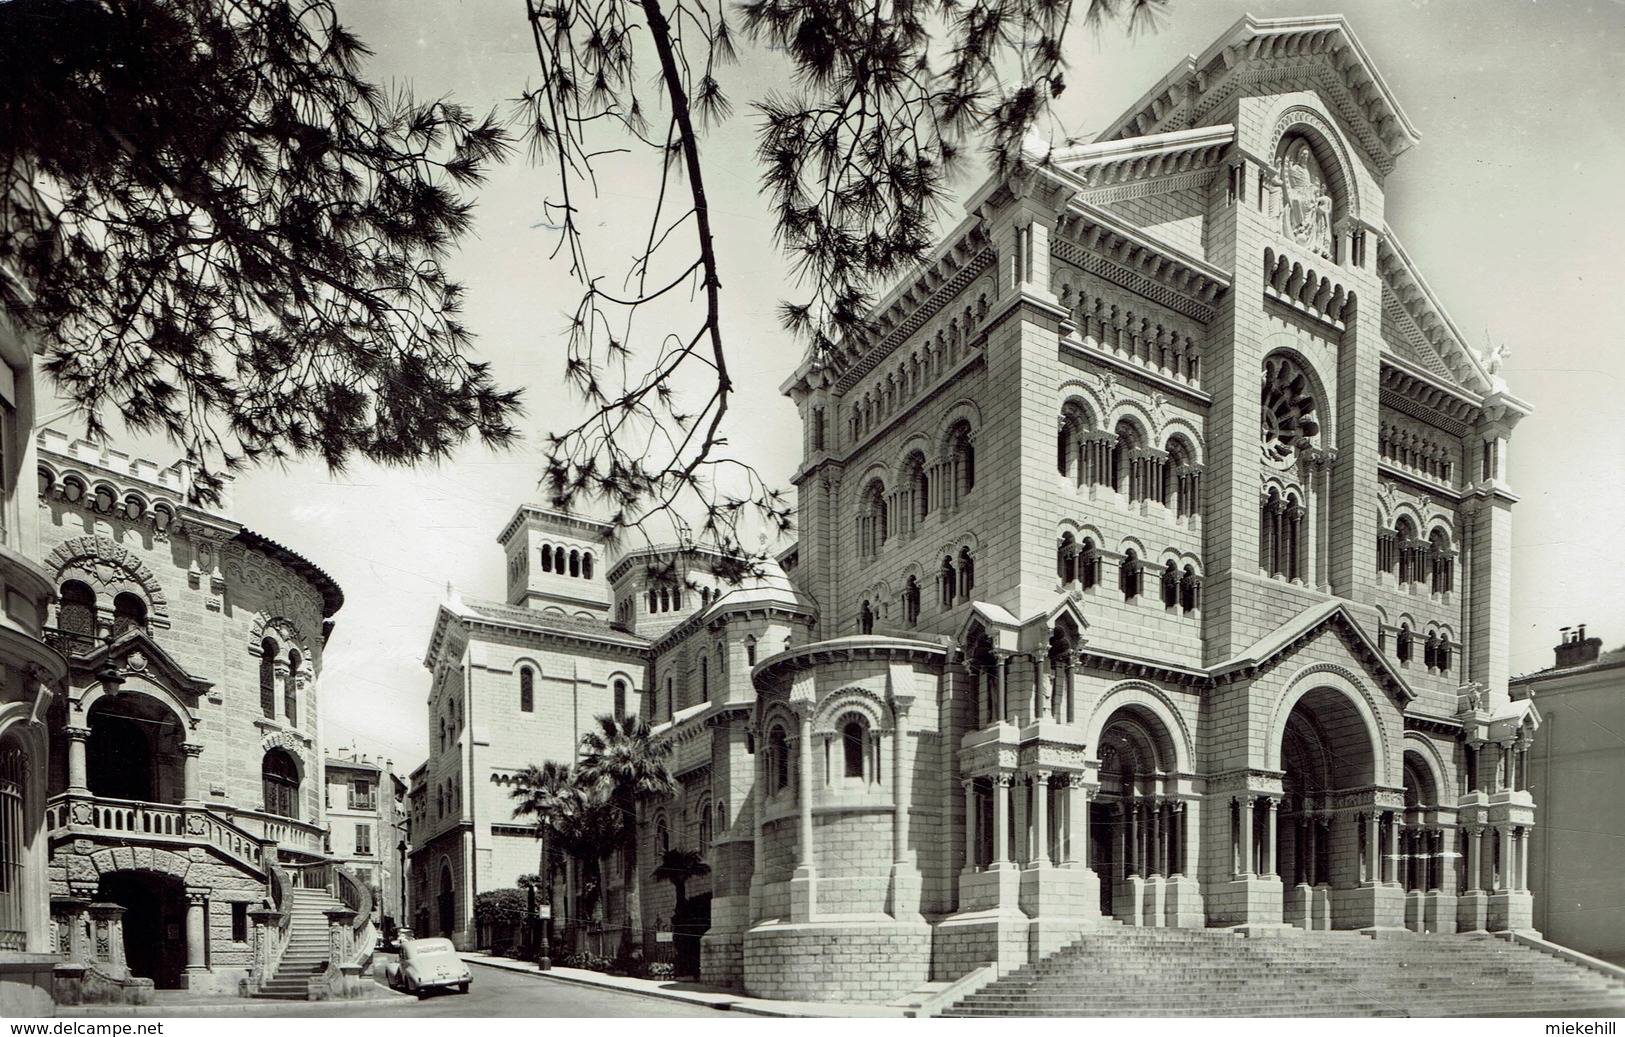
(1245,816)
(1001,820)
(1002,707)
(73,937)
(265,921)
(197,927)
(1373,852)
(970,822)
(192,795)
(77,739)
(1040,855)
(804,844)
(340,935)
(1523,860)
(1475,874)
(1023,848)
(1311,849)
(107,937)
(1394,831)
(902,792)
(1271,804)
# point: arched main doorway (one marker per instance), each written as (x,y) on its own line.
(1137,832)
(279,776)
(154,922)
(1425,847)
(447,903)
(134,750)
(1324,841)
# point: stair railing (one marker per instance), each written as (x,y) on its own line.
(357,896)
(281,884)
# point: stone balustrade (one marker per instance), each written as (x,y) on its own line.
(79,814)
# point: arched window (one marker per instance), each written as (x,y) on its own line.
(1430,650)
(620,698)
(854,745)
(575,563)
(722,815)
(1280,526)
(654,603)
(586,565)
(76,614)
(527,690)
(1182,478)
(962,452)
(866,618)
(1066,442)
(873,519)
(671,698)
(778,760)
(967,573)
(665,600)
(1170,584)
(946,581)
(1066,559)
(705,677)
(268,650)
(1190,590)
(1128,575)
(547,558)
(1088,564)
(919,487)
(129,613)
(1125,440)
(662,834)
(290,690)
(705,828)
(279,776)
(1442,655)
(1402,645)
(1442,563)
(911,601)
(750,650)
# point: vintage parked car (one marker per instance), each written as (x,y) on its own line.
(428,964)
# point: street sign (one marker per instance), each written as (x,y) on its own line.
(544,911)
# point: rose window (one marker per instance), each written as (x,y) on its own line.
(1289,422)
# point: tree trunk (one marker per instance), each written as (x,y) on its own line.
(631,944)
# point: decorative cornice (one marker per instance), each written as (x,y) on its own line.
(1096,241)
(903,321)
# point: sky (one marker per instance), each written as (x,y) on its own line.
(1509,205)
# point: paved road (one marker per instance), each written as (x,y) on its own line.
(503,994)
(497,993)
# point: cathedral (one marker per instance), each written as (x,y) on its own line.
(1153,570)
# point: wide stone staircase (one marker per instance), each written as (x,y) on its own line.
(307,951)
(1122,971)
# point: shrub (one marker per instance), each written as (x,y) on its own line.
(660,970)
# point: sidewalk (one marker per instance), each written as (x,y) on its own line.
(184,1003)
(692,993)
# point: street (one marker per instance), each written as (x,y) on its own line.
(496,993)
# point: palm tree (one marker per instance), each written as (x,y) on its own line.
(624,761)
(677,867)
(549,794)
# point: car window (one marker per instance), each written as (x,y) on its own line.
(437,945)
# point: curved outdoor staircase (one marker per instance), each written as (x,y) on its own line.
(1121,971)
(307,952)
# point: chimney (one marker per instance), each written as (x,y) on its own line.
(1575,649)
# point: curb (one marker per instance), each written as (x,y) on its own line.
(226,1008)
(663,995)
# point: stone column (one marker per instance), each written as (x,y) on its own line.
(193,794)
(1373,852)
(1041,819)
(1002,708)
(970,822)
(1394,831)
(1024,836)
(77,739)
(1311,849)
(902,792)
(1474,865)
(1133,863)
(1271,852)
(1245,816)
(197,926)
(1001,820)
(1523,860)
(804,845)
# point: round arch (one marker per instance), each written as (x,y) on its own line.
(1149,700)
(1316,680)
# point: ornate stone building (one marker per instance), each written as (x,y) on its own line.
(1154,566)
(184,769)
(30,677)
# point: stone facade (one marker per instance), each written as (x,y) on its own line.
(31,674)
(1577,775)
(1153,565)
(363,806)
(184,759)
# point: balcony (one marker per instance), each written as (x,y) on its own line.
(73,644)
(73,815)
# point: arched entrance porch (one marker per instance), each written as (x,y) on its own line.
(1332,839)
(134,750)
(1138,827)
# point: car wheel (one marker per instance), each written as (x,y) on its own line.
(462,988)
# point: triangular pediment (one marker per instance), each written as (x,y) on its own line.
(1416,327)
(134,654)
(1327,617)
(1256,52)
